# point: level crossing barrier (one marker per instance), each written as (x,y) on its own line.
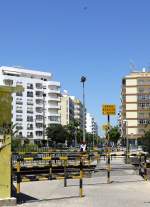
(81,157)
(49,177)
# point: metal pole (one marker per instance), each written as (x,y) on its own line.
(127,143)
(43,116)
(108,151)
(83,114)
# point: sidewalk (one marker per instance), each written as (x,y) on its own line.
(126,190)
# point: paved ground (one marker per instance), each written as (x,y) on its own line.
(126,190)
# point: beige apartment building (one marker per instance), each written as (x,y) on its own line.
(66,109)
(78,111)
(135,110)
(71,108)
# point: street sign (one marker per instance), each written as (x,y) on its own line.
(105,127)
(109,109)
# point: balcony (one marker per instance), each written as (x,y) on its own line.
(54,99)
(29,136)
(29,112)
(30,87)
(30,128)
(19,127)
(30,103)
(53,122)
(53,83)
(53,107)
(19,102)
(19,111)
(19,119)
(50,91)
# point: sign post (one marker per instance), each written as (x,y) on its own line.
(108,109)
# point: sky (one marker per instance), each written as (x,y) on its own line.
(70,38)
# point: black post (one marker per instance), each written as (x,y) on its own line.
(81,178)
(50,170)
(108,151)
(65,173)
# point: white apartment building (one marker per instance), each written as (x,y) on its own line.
(91,125)
(135,111)
(37,106)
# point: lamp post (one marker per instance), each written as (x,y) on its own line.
(83,79)
(44,126)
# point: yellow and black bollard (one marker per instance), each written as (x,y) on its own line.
(50,170)
(108,168)
(18,182)
(65,172)
(81,178)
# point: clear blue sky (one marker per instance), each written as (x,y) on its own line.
(70,38)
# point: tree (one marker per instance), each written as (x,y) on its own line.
(72,129)
(114,134)
(145,141)
(57,133)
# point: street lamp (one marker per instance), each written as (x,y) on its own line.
(83,79)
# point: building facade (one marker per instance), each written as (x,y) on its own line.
(91,125)
(135,109)
(78,111)
(67,109)
(37,106)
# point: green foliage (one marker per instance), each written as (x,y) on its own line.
(114,134)
(145,141)
(16,143)
(73,131)
(57,133)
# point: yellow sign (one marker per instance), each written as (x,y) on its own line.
(109,109)
(105,127)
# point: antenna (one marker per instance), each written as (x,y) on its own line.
(132,66)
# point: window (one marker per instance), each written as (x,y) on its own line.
(39,117)
(39,125)
(39,93)
(39,133)
(38,85)
(39,101)
(8,82)
(39,109)
(54,118)
(19,94)
(30,126)
(30,134)
(29,86)
(29,94)
(30,118)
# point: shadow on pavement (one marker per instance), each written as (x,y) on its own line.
(24,198)
(100,183)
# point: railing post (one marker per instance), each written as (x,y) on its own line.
(18,181)
(81,178)
(50,170)
(65,172)
(108,167)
